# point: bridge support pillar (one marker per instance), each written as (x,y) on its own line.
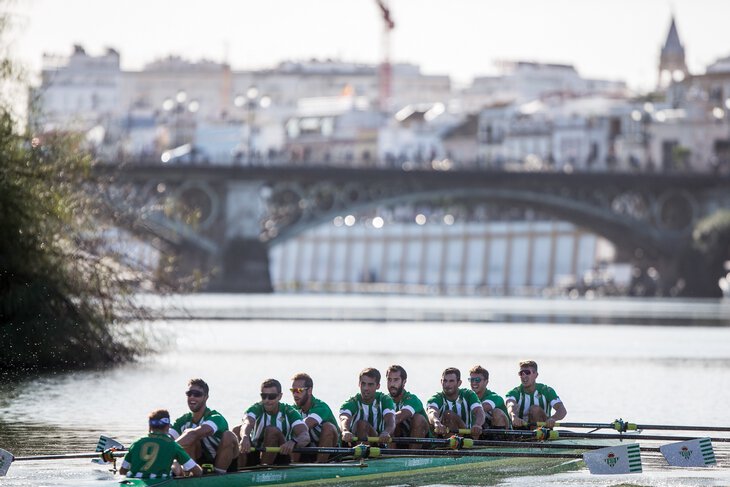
(244,268)
(244,260)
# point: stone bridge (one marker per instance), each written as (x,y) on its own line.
(222,219)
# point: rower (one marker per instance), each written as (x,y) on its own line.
(270,423)
(152,456)
(203,432)
(317,416)
(455,408)
(368,413)
(495,411)
(410,416)
(531,402)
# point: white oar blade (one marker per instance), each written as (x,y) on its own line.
(619,459)
(6,458)
(104,443)
(692,453)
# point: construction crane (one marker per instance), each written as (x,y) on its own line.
(385,74)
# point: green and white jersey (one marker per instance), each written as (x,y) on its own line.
(494,400)
(151,457)
(543,396)
(466,402)
(285,419)
(321,413)
(373,413)
(212,418)
(410,402)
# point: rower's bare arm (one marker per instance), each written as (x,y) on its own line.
(487,407)
(190,436)
(196,471)
(345,420)
(245,431)
(310,422)
(479,417)
(301,435)
(403,415)
(435,420)
(560,412)
(516,421)
(388,426)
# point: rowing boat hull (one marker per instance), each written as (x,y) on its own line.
(370,470)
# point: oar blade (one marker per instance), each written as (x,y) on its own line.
(104,443)
(6,458)
(621,459)
(691,453)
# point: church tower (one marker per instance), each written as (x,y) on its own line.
(672,66)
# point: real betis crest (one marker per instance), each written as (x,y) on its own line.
(611,459)
(685,452)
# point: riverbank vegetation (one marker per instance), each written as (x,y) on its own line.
(62,289)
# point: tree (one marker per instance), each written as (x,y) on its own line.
(62,289)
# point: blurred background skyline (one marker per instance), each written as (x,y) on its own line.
(617,40)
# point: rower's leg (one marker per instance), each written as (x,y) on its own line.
(363,429)
(327,439)
(499,419)
(419,429)
(227,452)
(272,437)
(536,414)
(452,421)
(191,446)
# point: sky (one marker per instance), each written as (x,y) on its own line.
(606,39)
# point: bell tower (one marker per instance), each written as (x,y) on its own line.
(672,65)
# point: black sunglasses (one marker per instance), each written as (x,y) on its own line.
(475,379)
(525,372)
(270,396)
(194,393)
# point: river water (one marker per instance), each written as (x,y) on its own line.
(660,362)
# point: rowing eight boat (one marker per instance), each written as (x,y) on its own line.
(444,467)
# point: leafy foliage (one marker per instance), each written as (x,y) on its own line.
(61,288)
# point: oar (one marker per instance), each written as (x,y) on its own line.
(428,453)
(360,451)
(623,426)
(6,458)
(469,443)
(545,434)
(453,442)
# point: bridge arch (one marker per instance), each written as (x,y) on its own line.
(627,234)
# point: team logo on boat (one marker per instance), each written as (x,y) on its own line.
(611,459)
(685,452)
(269,477)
